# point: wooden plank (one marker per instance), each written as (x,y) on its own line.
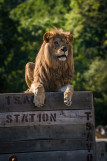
(54,100)
(76,155)
(101,150)
(44,145)
(61,117)
(44,132)
(55,131)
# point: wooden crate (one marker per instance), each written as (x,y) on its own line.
(54,132)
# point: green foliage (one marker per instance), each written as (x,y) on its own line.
(96,81)
(96,76)
(87,20)
(22,25)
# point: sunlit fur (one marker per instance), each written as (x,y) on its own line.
(48,70)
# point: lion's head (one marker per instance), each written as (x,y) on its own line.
(58,46)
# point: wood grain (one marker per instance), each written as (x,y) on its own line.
(76,155)
(44,132)
(65,117)
(54,100)
(53,132)
(44,145)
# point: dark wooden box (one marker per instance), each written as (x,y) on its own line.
(54,132)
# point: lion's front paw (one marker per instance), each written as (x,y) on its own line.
(39,96)
(67,101)
(68,95)
(39,99)
(67,98)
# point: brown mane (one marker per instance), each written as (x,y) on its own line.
(50,72)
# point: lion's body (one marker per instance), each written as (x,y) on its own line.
(53,68)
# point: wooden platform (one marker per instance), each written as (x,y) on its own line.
(54,132)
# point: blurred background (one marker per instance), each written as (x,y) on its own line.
(22,25)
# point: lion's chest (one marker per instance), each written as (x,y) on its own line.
(57,80)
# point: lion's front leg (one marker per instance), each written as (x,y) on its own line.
(39,94)
(68,95)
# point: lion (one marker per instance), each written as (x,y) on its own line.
(53,68)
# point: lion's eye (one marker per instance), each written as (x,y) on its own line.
(67,42)
(56,43)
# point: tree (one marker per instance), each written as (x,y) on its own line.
(13,57)
(96,81)
(87,20)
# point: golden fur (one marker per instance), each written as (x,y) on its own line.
(54,64)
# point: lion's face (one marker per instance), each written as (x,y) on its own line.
(59,44)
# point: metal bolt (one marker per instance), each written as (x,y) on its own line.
(13,158)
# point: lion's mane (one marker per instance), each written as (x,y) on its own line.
(50,72)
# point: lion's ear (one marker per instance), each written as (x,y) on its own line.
(70,36)
(47,36)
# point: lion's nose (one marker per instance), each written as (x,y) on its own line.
(64,49)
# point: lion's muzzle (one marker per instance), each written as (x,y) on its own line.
(62,57)
(62,53)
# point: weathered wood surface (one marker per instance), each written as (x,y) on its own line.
(54,101)
(44,132)
(54,132)
(76,155)
(101,150)
(44,145)
(101,154)
(32,118)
